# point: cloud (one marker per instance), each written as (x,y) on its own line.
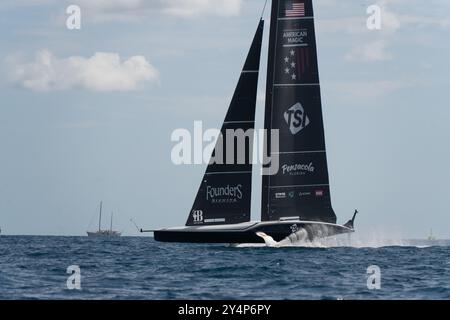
(397,16)
(132,10)
(125,10)
(390,20)
(370,52)
(348,25)
(98,12)
(377,50)
(101,72)
(189,8)
(370,90)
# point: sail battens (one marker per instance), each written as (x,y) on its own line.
(299,152)
(250,71)
(296,84)
(237,122)
(228,172)
(295,45)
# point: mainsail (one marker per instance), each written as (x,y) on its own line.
(300,189)
(224,196)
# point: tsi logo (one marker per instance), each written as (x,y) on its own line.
(197,215)
(296,118)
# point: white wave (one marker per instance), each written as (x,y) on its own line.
(371,240)
(249,245)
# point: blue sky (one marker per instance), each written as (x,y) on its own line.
(70,138)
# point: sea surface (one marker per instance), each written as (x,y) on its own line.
(140,268)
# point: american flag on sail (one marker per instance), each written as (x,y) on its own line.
(295,9)
(297,62)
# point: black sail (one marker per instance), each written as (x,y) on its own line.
(224,196)
(300,189)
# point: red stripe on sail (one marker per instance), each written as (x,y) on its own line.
(303,60)
(307,58)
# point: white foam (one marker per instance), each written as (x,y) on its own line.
(249,245)
(372,240)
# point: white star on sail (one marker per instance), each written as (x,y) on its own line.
(289,69)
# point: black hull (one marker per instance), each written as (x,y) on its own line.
(247,233)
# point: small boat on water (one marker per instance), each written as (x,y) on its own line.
(104,233)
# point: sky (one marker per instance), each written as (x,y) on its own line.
(87,115)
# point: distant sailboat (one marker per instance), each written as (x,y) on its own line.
(104,233)
(431,237)
(296,200)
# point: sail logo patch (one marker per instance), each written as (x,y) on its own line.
(320,193)
(221,195)
(295,37)
(298,169)
(296,118)
(197,215)
(280,195)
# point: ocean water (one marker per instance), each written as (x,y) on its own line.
(140,268)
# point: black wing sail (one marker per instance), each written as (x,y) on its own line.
(224,196)
(300,189)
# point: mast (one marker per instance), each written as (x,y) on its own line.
(100,217)
(300,189)
(112,213)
